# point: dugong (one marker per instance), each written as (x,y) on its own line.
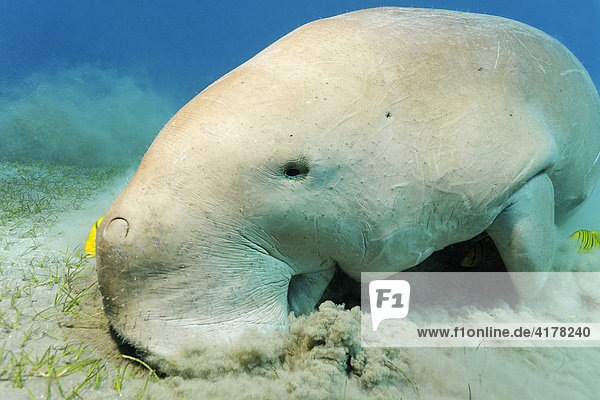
(363,142)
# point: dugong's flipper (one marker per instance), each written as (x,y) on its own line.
(306,290)
(524,234)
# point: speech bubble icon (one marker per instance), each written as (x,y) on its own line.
(389,299)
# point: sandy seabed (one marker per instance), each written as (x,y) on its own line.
(55,341)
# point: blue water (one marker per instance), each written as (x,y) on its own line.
(168,52)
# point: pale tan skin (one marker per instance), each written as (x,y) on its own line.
(410,130)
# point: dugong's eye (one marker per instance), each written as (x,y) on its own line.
(295,170)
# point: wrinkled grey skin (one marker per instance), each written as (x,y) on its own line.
(365,141)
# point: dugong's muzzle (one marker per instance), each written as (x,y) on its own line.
(167,285)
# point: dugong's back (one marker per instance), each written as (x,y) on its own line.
(484,103)
(515,96)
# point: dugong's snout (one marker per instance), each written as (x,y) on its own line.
(113,263)
(131,258)
(167,286)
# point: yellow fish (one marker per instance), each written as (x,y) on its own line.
(586,240)
(90,243)
(478,251)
